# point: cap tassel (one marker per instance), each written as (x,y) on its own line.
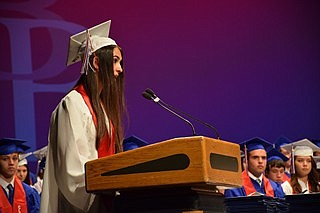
(292,168)
(246,156)
(87,54)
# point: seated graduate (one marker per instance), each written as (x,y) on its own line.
(276,164)
(253,180)
(279,143)
(15,196)
(304,177)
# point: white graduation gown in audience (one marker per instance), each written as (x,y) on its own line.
(287,189)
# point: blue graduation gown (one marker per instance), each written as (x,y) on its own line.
(33,178)
(33,198)
(237,192)
(287,173)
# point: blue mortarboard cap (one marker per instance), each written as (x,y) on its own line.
(255,143)
(12,145)
(133,142)
(274,154)
(282,140)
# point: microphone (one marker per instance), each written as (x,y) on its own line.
(154,96)
(157,100)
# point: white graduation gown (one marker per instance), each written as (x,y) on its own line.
(287,188)
(71,144)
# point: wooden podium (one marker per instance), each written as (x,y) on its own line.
(176,175)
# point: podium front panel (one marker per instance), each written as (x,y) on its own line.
(189,161)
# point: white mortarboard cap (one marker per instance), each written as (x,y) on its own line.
(302,151)
(98,38)
(23,162)
(302,147)
(316,142)
(40,153)
(24,155)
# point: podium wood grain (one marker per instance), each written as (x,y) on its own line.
(188,161)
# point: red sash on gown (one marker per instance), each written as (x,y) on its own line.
(19,199)
(106,145)
(249,188)
(285,178)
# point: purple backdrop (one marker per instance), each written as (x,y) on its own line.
(250,68)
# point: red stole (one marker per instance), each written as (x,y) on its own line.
(106,145)
(249,188)
(19,199)
(285,178)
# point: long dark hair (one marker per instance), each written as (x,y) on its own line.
(313,179)
(27,180)
(111,97)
